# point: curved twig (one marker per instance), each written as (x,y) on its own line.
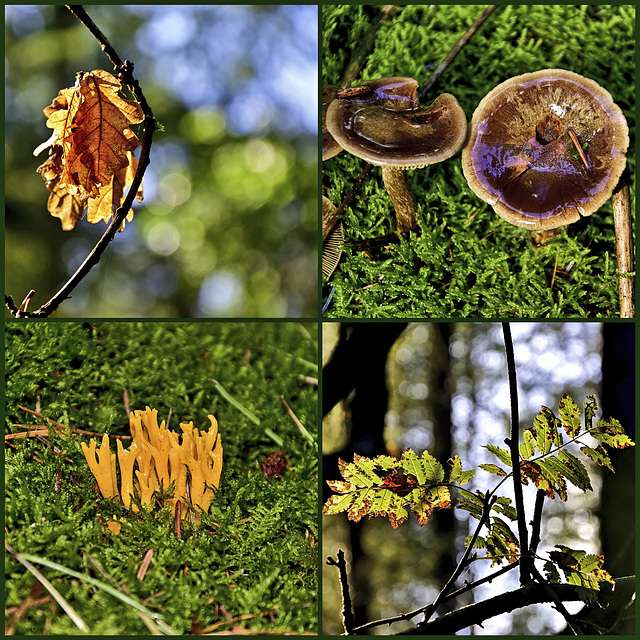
(125,69)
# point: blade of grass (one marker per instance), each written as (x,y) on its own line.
(57,596)
(299,424)
(107,588)
(224,394)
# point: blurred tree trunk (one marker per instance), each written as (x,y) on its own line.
(617,513)
(442,386)
(357,370)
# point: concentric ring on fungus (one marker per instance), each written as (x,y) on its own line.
(546,148)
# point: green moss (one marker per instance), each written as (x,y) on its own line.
(254,554)
(466,261)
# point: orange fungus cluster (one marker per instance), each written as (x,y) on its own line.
(157,459)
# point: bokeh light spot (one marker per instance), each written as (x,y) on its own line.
(163,238)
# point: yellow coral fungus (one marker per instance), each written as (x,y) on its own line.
(191,462)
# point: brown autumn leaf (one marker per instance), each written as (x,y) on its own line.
(112,195)
(65,206)
(90,159)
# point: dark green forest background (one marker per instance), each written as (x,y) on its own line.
(228,226)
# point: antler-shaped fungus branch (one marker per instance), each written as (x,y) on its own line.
(191,462)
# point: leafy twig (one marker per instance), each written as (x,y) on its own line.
(149,124)
(489,501)
(515,453)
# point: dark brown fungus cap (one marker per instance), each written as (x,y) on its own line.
(382,122)
(545,148)
(330,147)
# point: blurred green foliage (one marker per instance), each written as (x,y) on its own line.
(229,222)
(255,554)
(466,261)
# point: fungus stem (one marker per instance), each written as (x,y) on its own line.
(581,153)
(395,180)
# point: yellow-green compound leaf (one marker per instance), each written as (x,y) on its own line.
(528,447)
(546,427)
(579,568)
(503,506)
(457,474)
(570,416)
(435,497)
(385,486)
(361,471)
(456,468)
(592,564)
(466,476)
(575,471)
(598,455)
(502,454)
(493,468)
(339,503)
(341,487)
(612,434)
(412,464)
(426,469)
(590,408)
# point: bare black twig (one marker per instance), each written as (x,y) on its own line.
(537,521)
(532,593)
(347,609)
(125,69)
(515,455)
(456,49)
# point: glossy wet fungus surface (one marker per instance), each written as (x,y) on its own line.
(382,122)
(546,148)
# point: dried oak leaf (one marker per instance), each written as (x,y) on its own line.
(101,134)
(90,161)
(112,195)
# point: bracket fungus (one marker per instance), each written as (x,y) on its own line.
(546,148)
(191,465)
(330,147)
(382,122)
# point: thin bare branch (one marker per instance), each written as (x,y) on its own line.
(347,608)
(456,49)
(515,454)
(620,202)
